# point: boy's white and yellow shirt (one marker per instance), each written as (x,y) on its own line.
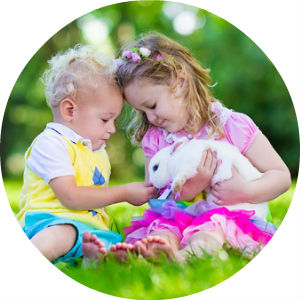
(59,151)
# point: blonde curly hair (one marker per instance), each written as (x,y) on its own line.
(73,69)
(177,59)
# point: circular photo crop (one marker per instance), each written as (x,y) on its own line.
(149,150)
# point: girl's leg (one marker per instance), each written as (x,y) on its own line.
(55,241)
(159,242)
(210,242)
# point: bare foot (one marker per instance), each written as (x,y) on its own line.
(92,247)
(120,251)
(153,247)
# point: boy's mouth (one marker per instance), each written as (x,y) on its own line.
(105,139)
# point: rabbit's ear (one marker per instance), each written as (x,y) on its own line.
(176,146)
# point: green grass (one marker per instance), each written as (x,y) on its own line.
(139,279)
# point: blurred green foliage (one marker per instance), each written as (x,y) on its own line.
(247,81)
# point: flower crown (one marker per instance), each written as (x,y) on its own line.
(136,55)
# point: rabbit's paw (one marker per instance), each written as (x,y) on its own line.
(177,185)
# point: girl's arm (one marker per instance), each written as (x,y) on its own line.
(276,177)
(84,198)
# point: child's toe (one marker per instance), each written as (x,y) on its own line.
(102,251)
(99,243)
(86,237)
(140,247)
(94,237)
(145,240)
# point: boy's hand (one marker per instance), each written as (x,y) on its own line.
(139,193)
(202,179)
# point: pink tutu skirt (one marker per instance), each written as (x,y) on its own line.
(242,229)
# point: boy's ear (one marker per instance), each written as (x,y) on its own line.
(67,107)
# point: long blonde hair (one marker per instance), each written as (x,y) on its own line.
(176,59)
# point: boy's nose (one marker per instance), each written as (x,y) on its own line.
(112,128)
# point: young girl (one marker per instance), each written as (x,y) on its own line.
(170,91)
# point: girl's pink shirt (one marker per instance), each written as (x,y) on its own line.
(239,130)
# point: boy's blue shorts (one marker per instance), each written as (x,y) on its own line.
(37,221)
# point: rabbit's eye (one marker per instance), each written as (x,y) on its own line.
(155,167)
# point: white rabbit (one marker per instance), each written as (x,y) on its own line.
(178,163)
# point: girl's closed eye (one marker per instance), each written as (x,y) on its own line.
(105,120)
(153,106)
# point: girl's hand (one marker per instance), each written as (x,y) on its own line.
(232,191)
(201,181)
(138,193)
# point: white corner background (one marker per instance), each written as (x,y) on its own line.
(273,25)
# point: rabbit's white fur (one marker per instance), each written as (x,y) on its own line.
(178,163)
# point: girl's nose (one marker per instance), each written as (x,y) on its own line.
(151,117)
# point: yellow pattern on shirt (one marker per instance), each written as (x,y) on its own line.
(37,195)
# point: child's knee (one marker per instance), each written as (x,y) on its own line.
(172,239)
(208,241)
(55,241)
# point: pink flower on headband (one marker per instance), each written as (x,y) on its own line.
(144,51)
(159,58)
(127,54)
(119,62)
(136,58)
(135,55)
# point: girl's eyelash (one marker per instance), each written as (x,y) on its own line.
(104,120)
(153,106)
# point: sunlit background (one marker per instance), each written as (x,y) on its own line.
(246,80)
